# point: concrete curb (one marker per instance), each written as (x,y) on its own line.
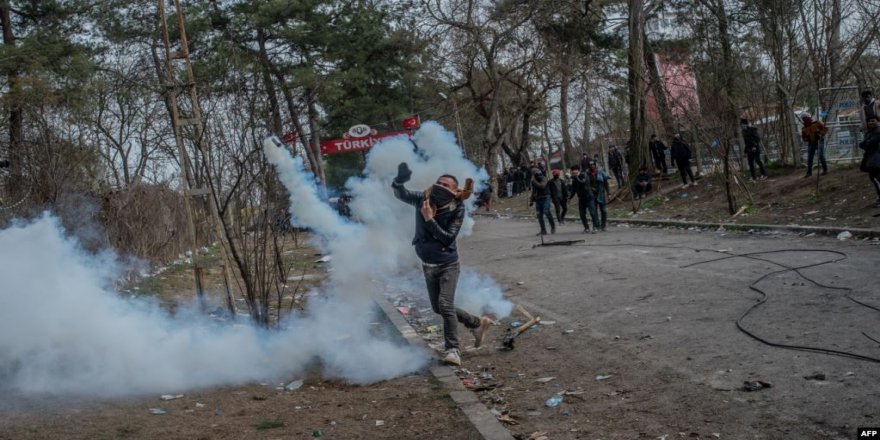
(819,230)
(486,424)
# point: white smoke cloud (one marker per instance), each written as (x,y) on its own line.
(379,247)
(64,331)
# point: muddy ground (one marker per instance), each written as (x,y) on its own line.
(845,199)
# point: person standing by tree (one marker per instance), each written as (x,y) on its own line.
(438,220)
(541,198)
(681,155)
(615,162)
(585,161)
(599,185)
(813,134)
(658,153)
(752,141)
(559,196)
(580,187)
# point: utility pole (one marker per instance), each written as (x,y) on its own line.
(200,198)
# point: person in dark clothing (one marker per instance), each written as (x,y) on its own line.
(658,153)
(643,184)
(599,186)
(580,187)
(752,140)
(585,161)
(813,134)
(559,196)
(681,155)
(870,108)
(541,198)
(615,162)
(871,145)
(439,215)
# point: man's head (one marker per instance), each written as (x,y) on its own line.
(867,96)
(575,170)
(676,135)
(653,137)
(873,122)
(807,119)
(448,181)
(743,121)
(593,165)
(556,173)
(643,170)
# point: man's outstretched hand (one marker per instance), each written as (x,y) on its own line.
(427,210)
(403,173)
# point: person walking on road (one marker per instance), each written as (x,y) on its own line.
(752,141)
(813,134)
(580,187)
(439,215)
(658,153)
(541,198)
(559,196)
(681,155)
(599,185)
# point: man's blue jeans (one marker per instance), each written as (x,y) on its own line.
(542,209)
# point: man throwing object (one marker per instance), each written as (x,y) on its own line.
(438,220)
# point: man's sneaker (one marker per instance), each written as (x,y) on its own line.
(480,332)
(453,357)
(694,183)
(586,230)
(553,230)
(764,177)
(684,186)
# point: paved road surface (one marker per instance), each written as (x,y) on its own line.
(667,334)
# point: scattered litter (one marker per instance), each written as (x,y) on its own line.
(811,234)
(668,318)
(545,379)
(684,195)
(200,405)
(158,411)
(538,436)
(566,414)
(849,373)
(811,212)
(725,250)
(568,332)
(293,386)
(380,423)
(218,411)
(317,434)
(515,324)
(520,283)
(434,328)
(324,259)
(403,310)
(533,413)
(845,235)
(506,418)
(553,402)
(548,322)
(171,396)
(815,376)
(663,437)
(603,377)
(755,385)
(716,434)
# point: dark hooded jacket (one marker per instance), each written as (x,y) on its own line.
(434,239)
(680,149)
(580,187)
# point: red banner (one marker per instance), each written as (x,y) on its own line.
(289,138)
(412,123)
(335,146)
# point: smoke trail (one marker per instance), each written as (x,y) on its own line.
(379,247)
(64,331)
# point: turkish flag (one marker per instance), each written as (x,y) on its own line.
(289,138)
(412,122)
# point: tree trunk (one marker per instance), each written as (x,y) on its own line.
(567,147)
(316,138)
(637,147)
(274,108)
(730,121)
(16,113)
(658,90)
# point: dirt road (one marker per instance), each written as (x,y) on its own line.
(625,306)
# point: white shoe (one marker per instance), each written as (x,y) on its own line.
(453,357)
(694,183)
(480,332)
(685,186)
